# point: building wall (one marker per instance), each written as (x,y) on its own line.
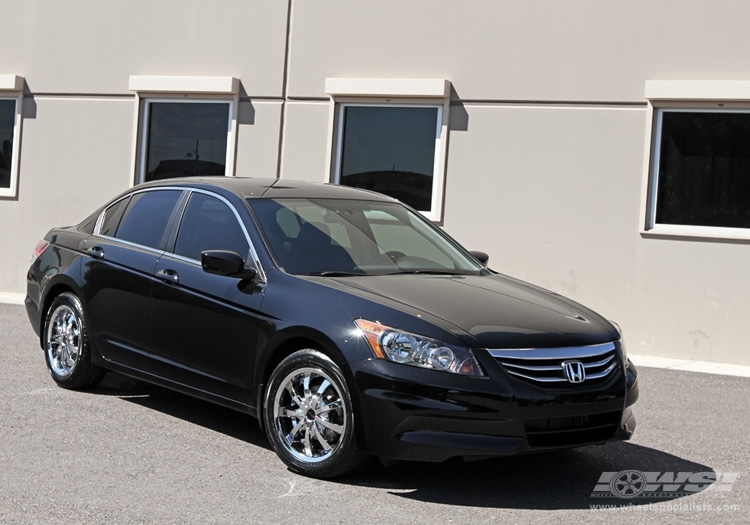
(546,149)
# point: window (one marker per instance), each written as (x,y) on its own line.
(702,168)
(187,126)
(185,138)
(698,177)
(209,224)
(146,218)
(391,150)
(11,97)
(390,138)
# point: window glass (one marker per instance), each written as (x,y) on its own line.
(186,139)
(359,237)
(112,217)
(391,150)
(7,126)
(146,218)
(703,176)
(209,224)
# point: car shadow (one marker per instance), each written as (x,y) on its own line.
(545,481)
(196,411)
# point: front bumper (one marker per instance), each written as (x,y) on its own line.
(416,414)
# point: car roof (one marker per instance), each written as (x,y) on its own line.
(254,188)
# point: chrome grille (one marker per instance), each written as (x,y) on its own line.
(547,365)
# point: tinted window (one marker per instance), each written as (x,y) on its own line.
(209,224)
(186,139)
(112,217)
(390,150)
(704,169)
(367,238)
(146,218)
(7,123)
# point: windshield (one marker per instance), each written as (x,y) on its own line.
(343,237)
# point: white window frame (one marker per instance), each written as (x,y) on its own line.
(688,96)
(168,89)
(382,92)
(11,88)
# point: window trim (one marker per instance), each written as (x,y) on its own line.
(150,89)
(11,88)
(688,96)
(391,92)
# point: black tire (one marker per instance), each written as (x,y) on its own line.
(309,418)
(66,345)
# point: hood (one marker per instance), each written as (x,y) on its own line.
(493,311)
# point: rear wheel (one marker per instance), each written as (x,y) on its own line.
(66,346)
(309,418)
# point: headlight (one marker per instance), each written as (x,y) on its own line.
(411,349)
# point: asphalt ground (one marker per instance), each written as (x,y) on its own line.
(128,452)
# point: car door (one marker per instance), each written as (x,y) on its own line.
(205,324)
(118,272)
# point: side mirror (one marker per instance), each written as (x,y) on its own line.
(227,263)
(480,256)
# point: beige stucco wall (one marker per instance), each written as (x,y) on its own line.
(545,151)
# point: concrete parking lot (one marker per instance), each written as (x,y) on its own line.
(129,452)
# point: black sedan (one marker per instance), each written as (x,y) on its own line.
(343,320)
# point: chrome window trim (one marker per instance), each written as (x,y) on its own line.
(261,277)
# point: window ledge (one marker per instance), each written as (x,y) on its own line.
(697,90)
(11,83)
(705,233)
(388,87)
(173,84)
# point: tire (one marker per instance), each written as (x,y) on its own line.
(309,417)
(66,345)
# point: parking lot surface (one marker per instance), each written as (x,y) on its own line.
(128,452)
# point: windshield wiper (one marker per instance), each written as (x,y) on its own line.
(431,272)
(335,273)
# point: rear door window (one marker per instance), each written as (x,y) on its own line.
(146,218)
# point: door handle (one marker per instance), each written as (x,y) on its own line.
(97,252)
(168,276)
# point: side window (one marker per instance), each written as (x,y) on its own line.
(146,218)
(112,217)
(209,224)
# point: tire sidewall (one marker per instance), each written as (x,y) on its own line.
(343,459)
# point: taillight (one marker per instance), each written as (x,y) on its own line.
(40,247)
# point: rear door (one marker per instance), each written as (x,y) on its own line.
(206,325)
(118,272)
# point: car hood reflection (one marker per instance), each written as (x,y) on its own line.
(494,311)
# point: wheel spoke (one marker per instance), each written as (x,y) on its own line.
(291,437)
(320,439)
(322,387)
(339,429)
(308,445)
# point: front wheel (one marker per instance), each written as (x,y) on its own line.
(66,345)
(309,418)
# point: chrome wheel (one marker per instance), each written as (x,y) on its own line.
(66,344)
(64,341)
(309,414)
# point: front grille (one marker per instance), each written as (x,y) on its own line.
(573,430)
(547,366)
